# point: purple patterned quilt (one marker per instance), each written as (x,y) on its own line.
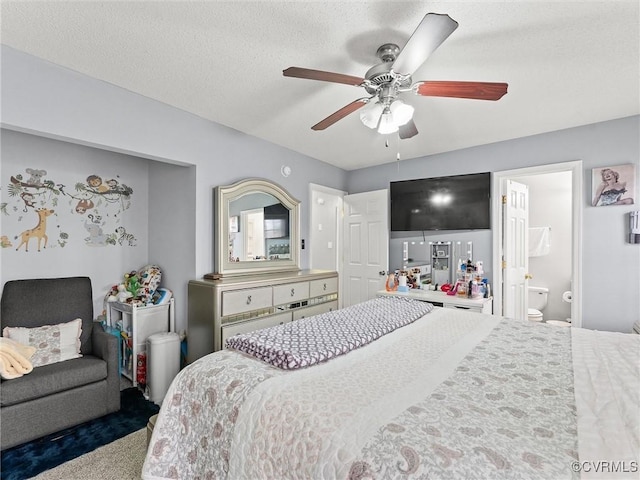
(316,339)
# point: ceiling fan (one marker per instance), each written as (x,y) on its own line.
(386,81)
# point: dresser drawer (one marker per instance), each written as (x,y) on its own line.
(318,288)
(314,310)
(240,301)
(470,308)
(291,292)
(252,325)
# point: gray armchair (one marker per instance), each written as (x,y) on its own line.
(61,395)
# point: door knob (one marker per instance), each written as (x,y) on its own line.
(382,273)
(528,276)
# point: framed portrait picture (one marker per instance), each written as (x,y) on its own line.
(613,185)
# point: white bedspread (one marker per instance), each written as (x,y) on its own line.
(607,382)
(455,394)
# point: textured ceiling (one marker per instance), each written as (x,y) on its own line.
(567,63)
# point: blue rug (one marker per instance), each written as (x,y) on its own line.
(32,458)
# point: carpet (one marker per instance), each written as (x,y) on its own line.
(119,460)
(32,458)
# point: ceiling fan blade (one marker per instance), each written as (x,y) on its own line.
(407,130)
(474,90)
(323,76)
(340,114)
(432,31)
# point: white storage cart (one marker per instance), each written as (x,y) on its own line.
(138,323)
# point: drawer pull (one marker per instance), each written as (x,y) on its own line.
(324,286)
(462,308)
(248,299)
(293,292)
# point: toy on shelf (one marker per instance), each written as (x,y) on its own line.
(131,283)
(139,288)
(123,293)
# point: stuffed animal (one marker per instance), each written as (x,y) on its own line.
(123,293)
(132,283)
(150,277)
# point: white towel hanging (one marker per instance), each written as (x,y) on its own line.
(539,241)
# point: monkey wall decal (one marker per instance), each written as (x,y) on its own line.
(28,200)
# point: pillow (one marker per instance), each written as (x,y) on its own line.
(53,343)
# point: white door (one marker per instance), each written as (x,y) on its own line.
(366,245)
(515,257)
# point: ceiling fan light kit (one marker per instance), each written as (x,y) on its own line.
(401,112)
(370,115)
(386,118)
(387,80)
(387,125)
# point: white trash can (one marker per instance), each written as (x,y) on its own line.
(163,363)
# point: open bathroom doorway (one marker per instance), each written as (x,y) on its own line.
(554,190)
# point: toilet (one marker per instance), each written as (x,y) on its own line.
(538,297)
(537,301)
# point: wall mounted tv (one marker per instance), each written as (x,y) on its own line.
(460,202)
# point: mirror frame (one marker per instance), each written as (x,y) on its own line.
(225,194)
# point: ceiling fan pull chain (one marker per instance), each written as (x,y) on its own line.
(398,151)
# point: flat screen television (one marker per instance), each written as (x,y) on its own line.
(459,202)
(276,221)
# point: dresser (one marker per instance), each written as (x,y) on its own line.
(441,299)
(219,309)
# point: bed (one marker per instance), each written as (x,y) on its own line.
(450,394)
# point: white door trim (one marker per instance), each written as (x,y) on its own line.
(575,167)
(314,187)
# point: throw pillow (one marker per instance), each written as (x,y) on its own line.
(53,343)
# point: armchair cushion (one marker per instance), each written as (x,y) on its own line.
(54,378)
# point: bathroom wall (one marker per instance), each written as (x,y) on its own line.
(550,206)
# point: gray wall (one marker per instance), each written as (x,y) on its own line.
(611,266)
(48,100)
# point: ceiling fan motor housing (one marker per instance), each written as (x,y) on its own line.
(382,75)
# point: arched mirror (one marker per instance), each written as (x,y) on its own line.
(257,228)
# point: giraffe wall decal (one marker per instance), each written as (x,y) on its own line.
(39,231)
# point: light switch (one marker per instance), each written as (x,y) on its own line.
(319,227)
(329,244)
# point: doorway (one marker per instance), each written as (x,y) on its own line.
(325,230)
(574,250)
(350,234)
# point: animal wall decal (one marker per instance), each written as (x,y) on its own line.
(39,231)
(99,205)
